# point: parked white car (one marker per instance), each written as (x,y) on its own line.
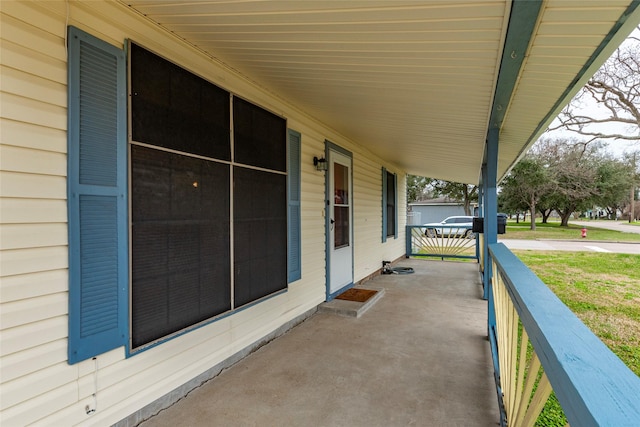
(453,226)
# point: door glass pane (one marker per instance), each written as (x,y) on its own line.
(341,184)
(341,205)
(341,215)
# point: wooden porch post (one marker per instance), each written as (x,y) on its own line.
(490,204)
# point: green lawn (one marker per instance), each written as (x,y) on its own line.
(603,290)
(553,230)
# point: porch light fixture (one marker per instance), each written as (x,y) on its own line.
(320,163)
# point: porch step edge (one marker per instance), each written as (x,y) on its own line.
(351,308)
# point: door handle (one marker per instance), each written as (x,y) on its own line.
(332,222)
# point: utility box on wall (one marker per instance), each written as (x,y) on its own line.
(478,224)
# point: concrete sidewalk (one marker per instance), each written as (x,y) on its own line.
(585,245)
(419,356)
(622,226)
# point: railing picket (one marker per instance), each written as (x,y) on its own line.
(450,244)
(513,345)
(522,360)
(592,385)
(540,397)
(533,368)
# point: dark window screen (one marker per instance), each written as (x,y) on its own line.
(173,108)
(259,137)
(180,240)
(260,228)
(391,204)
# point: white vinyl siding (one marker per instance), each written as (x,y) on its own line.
(38,385)
(367,189)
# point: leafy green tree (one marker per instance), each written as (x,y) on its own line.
(633,159)
(527,183)
(614,179)
(509,204)
(416,187)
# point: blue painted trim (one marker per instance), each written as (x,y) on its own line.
(409,253)
(294,236)
(339,291)
(385,232)
(489,191)
(395,205)
(148,346)
(592,384)
(384,204)
(407,241)
(522,22)
(100,337)
(443,257)
(327,224)
(493,343)
(328,145)
(490,205)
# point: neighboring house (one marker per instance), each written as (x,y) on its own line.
(435,210)
(161,211)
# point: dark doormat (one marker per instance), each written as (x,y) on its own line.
(357,294)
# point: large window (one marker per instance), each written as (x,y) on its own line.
(180,242)
(210,211)
(187,186)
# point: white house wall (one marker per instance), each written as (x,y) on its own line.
(38,385)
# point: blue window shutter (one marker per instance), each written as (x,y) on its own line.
(395,204)
(294,239)
(97,197)
(384,204)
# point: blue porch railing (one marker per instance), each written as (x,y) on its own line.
(593,386)
(443,241)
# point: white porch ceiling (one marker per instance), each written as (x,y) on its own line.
(413,81)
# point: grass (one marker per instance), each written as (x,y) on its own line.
(603,290)
(553,230)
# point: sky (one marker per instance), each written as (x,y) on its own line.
(615,147)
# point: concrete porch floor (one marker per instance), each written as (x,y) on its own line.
(419,356)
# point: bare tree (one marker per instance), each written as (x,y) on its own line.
(615,90)
(571,168)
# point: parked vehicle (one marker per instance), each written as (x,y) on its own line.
(453,226)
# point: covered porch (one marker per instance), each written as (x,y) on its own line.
(391,366)
(454,90)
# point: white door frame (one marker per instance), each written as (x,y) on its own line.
(335,286)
